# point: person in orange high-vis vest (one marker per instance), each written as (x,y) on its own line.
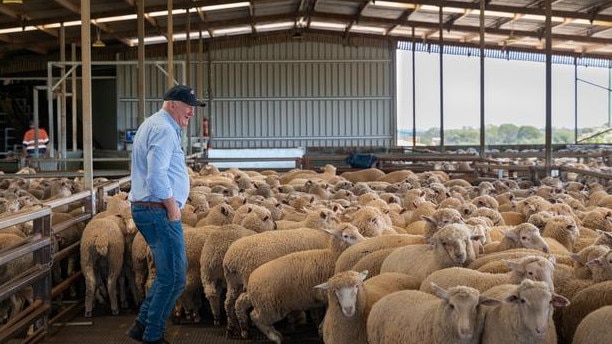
(29,142)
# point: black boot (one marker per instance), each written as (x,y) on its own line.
(136,331)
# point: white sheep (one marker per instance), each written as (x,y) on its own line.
(525,316)
(350,299)
(452,246)
(595,328)
(318,219)
(581,270)
(353,254)
(246,254)
(563,229)
(211,263)
(584,302)
(104,238)
(531,267)
(411,316)
(284,284)
(524,235)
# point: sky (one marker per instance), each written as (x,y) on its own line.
(514,93)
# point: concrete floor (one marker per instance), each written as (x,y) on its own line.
(104,328)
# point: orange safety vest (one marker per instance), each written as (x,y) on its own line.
(29,137)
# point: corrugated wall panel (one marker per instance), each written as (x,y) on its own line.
(294,94)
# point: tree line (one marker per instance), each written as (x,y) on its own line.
(507,134)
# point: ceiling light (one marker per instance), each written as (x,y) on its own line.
(13,2)
(98,43)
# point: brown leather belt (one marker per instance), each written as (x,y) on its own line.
(150,204)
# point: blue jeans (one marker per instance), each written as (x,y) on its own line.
(167,243)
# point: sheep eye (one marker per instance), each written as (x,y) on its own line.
(524,238)
(522,300)
(451,306)
(530,273)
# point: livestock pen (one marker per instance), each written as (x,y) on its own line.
(55,316)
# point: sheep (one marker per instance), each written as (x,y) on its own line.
(563,229)
(211,263)
(595,327)
(350,299)
(532,205)
(581,270)
(373,261)
(12,269)
(104,238)
(492,214)
(512,218)
(319,219)
(364,175)
(452,246)
(530,267)
(372,222)
(524,316)
(412,316)
(439,219)
(540,219)
(353,254)
(258,222)
(246,254)
(485,201)
(219,215)
(525,235)
(598,218)
(142,261)
(284,284)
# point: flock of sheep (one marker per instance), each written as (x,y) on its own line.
(374,257)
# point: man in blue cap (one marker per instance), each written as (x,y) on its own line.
(159,189)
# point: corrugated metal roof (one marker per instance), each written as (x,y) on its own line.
(579,27)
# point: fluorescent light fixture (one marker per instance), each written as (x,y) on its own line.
(116,19)
(494,14)
(392,4)
(18,29)
(66,24)
(232,31)
(274,26)
(541,18)
(368,29)
(327,25)
(437,9)
(12,2)
(162,39)
(225,6)
(165,13)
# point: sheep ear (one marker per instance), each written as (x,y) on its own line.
(439,291)
(363,275)
(487,301)
(429,219)
(328,231)
(594,262)
(323,286)
(511,235)
(559,301)
(514,266)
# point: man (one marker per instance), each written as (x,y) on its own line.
(30,148)
(159,189)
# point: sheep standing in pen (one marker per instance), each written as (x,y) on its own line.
(451,316)
(246,254)
(350,299)
(102,251)
(531,267)
(452,246)
(525,316)
(595,328)
(211,264)
(524,235)
(563,229)
(356,252)
(285,284)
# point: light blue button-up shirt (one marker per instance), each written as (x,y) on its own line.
(158,161)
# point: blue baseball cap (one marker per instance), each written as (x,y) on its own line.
(184,94)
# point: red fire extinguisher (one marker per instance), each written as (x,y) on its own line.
(205,125)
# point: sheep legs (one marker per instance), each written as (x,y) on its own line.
(230,302)
(266,328)
(243,304)
(212,295)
